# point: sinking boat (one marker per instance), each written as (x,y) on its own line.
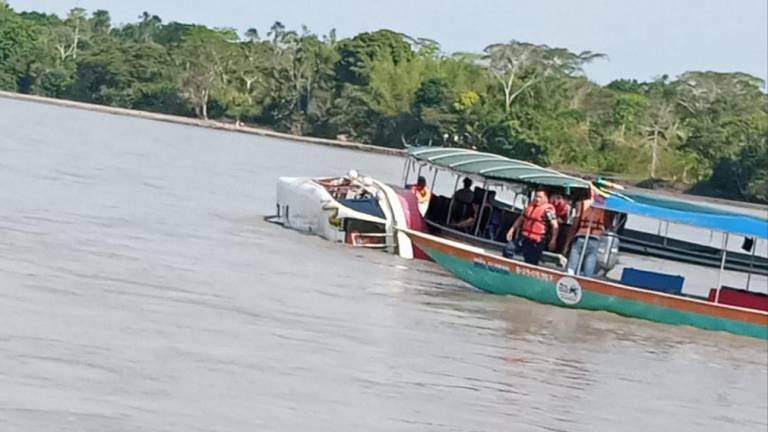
(352,209)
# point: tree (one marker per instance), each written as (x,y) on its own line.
(252,35)
(628,109)
(392,87)
(659,128)
(360,52)
(717,111)
(18,39)
(203,58)
(518,65)
(696,91)
(101,22)
(119,73)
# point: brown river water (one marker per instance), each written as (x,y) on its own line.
(140,290)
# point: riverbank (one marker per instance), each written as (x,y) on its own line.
(231,127)
(210,124)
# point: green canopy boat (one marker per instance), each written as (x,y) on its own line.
(649,294)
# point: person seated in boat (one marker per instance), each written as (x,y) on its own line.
(466,194)
(537,227)
(462,201)
(423,194)
(468,224)
(588,225)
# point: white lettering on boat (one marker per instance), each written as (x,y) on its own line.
(533,273)
(504,269)
(490,266)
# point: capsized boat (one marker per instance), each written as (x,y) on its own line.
(474,256)
(353,209)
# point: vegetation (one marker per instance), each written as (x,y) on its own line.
(706,130)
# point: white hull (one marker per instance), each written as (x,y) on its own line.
(305,205)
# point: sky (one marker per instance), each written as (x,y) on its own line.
(642,38)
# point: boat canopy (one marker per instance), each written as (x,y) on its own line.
(682,212)
(495,167)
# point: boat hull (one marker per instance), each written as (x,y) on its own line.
(503,276)
(304,204)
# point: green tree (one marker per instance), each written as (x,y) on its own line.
(101,22)
(518,65)
(18,40)
(203,59)
(358,54)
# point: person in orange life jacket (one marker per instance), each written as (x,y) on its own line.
(423,194)
(600,220)
(562,208)
(537,224)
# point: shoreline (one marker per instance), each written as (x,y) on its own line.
(208,124)
(369,148)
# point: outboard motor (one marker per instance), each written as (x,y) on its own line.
(608,251)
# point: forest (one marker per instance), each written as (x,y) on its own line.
(702,131)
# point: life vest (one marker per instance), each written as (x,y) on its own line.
(561,210)
(534,226)
(598,221)
(422,194)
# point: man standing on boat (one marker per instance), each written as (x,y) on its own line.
(588,226)
(537,224)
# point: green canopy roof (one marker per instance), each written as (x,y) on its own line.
(495,167)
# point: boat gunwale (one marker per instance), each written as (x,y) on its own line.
(755,316)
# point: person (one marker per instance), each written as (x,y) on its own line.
(537,224)
(588,226)
(462,202)
(468,224)
(423,194)
(465,195)
(562,208)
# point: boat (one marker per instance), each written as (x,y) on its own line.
(652,295)
(352,209)
(662,245)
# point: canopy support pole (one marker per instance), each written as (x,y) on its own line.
(418,173)
(751,263)
(722,268)
(434,179)
(482,207)
(586,240)
(406,172)
(453,198)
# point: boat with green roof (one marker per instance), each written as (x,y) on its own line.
(505,186)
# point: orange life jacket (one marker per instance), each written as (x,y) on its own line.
(598,221)
(422,194)
(534,226)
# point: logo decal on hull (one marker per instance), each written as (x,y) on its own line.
(568,290)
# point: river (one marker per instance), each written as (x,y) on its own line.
(140,290)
